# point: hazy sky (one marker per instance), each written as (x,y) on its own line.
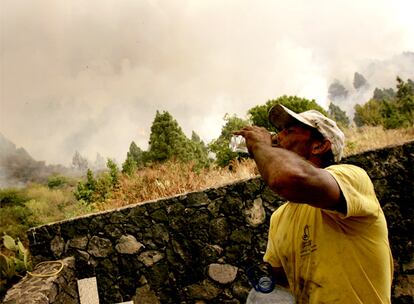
(89,75)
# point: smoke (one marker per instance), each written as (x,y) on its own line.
(377,74)
(89,75)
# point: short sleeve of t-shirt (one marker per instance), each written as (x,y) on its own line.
(271,255)
(358,190)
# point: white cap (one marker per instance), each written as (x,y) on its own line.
(280,116)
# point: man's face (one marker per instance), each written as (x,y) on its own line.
(296,138)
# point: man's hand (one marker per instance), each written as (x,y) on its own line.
(280,276)
(254,135)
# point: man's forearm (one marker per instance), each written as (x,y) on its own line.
(296,179)
(279,167)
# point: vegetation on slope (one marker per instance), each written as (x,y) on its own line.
(175,164)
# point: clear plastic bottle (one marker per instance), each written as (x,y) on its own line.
(279,295)
(238,144)
(265,290)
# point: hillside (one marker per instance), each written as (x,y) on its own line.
(18,167)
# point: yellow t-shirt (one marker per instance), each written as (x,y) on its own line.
(329,257)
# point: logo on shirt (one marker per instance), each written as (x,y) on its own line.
(305,235)
(307,246)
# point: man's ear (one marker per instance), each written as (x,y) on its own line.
(320,147)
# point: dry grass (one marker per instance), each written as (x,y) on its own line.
(49,205)
(174,178)
(369,138)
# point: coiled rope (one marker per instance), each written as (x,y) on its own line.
(46,275)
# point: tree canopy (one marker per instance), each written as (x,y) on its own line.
(220,146)
(388,108)
(199,151)
(258,115)
(337,114)
(167,141)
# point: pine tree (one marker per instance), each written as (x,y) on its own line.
(337,114)
(405,101)
(85,190)
(135,159)
(199,151)
(113,171)
(383,94)
(136,154)
(167,140)
(130,165)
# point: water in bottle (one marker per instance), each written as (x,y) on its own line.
(238,144)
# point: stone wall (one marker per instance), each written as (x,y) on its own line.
(193,248)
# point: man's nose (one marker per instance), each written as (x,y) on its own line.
(281,135)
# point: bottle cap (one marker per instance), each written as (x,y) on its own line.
(261,277)
(265,284)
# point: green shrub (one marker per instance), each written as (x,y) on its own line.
(80,208)
(103,187)
(113,172)
(337,114)
(98,189)
(13,265)
(12,196)
(41,205)
(15,220)
(85,190)
(392,111)
(48,205)
(56,181)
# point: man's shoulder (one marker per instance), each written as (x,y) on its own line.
(345,166)
(288,207)
(277,213)
(350,176)
(347,169)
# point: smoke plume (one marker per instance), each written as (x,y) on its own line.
(88,76)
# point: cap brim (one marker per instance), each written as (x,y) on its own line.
(280,117)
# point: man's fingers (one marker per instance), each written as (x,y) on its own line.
(242,131)
(238,132)
(251,130)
